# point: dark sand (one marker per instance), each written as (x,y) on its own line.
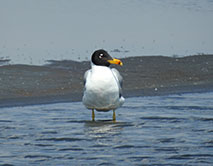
(62,81)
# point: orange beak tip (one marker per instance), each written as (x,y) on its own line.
(116,61)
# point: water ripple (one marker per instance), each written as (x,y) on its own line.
(61,139)
(151,132)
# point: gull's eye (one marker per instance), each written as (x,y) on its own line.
(101,56)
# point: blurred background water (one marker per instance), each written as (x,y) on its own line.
(161,130)
(32,32)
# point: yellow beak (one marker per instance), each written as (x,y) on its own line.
(116,61)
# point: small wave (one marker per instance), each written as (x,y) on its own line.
(139,157)
(208,144)
(7,127)
(189,108)
(60,139)
(44,145)
(71,149)
(176,119)
(166,140)
(99,146)
(49,132)
(6,165)
(204,119)
(204,108)
(189,156)
(167,149)
(124,147)
(15,137)
(37,156)
(5,121)
(105,163)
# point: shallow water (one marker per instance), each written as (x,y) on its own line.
(165,130)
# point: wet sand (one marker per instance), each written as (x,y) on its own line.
(62,81)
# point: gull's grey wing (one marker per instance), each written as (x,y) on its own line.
(119,79)
(118,76)
(85,76)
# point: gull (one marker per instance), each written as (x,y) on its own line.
(102,84)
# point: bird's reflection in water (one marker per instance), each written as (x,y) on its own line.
(104,129)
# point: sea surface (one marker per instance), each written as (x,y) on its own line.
(162,130)
(33,32)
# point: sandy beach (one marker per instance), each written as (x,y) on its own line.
(62,81)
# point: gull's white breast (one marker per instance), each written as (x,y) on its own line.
(101,89)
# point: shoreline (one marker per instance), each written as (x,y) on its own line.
(26,101)
(62,81)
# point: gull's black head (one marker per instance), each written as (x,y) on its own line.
(102,58)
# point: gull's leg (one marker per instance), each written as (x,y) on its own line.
(93,115)
(114,116)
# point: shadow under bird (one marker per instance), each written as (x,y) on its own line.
(103,85)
